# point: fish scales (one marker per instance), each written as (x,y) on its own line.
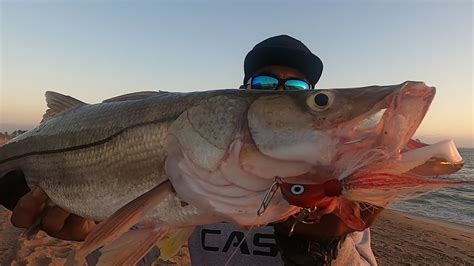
(92,124)
(80,180)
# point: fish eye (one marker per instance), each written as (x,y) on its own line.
(320,101)
(297,189)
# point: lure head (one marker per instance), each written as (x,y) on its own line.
(307,195)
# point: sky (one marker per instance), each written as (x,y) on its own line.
(93,50)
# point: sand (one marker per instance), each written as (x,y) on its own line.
(402,239)
(397,239)
(42,250)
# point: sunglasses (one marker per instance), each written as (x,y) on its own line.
(265,82)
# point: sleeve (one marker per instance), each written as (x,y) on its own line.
(355,250)
(12,187)
(363,246)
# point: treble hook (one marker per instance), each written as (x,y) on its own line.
(300,218)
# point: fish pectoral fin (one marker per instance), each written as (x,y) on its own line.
(173,241)
(59,103)
(131,247)
(121,221)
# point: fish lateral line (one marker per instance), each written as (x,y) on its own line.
(89,145)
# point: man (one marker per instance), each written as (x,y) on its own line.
(278,63)
(283,63)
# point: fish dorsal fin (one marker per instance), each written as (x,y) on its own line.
(133,96)
(59,103)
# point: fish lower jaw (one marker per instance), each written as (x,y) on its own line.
(431,160)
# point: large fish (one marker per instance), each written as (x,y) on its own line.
(167,161)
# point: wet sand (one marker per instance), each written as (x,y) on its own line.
(397,239)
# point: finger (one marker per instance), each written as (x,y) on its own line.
(75,228)
(54,219)
(86,228)
(29,208)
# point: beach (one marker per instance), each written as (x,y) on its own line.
(397,239)
(405,239)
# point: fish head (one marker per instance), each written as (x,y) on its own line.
(331,129)
(358,143)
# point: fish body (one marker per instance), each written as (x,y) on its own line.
(221,150)
(94,159)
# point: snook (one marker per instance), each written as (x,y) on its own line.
(211,156)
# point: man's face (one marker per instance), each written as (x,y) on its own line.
(280,72)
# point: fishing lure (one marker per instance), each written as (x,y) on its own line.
(308,195)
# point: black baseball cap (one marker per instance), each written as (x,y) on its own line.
(283,50)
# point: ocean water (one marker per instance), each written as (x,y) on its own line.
(455,204)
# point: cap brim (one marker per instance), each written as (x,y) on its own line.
(307,63)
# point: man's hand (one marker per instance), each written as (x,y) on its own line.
(315,244)
(55,221)
(329,227)
(32,207)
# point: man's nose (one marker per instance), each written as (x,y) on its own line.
(280,87)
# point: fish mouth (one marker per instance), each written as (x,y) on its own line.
(438,159)
(406,109)
(377,161)
(394,118)
(366,128)
(386,132)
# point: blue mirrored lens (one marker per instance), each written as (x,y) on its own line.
(296,85)
(264,83)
